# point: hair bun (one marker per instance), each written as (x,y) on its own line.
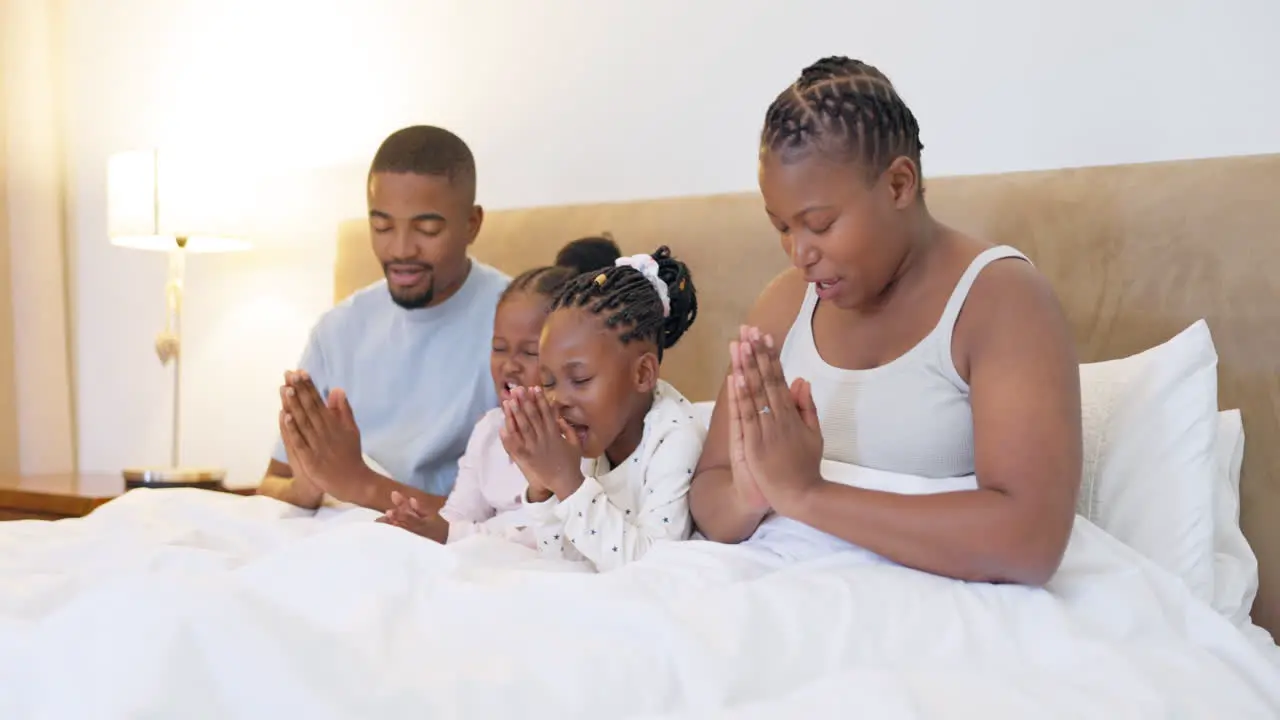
(589,253)
(681,293)
(628,297)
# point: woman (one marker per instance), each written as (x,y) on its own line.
(930,353)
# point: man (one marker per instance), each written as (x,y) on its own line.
(403,363)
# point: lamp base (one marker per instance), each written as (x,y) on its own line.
(203,478)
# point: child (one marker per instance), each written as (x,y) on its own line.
(601,398)
(488,494)
(589,253)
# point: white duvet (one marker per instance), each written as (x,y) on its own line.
(187,604)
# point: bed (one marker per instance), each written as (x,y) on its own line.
(1136,253)
(168,603)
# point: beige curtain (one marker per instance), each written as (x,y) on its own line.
(8,379)
(36,382)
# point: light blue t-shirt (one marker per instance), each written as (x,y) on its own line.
(418,380)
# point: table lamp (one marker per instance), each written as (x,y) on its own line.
(174,203)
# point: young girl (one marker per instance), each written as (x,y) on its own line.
(488,495)
(601,398)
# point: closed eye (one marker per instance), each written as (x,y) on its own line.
(429,227)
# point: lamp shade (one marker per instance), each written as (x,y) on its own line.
(163,200)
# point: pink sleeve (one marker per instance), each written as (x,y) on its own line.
(467,504)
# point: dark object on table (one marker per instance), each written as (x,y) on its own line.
(200,478)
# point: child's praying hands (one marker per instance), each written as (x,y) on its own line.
(409,514)
(540,442)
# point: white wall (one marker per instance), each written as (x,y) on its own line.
(570,101)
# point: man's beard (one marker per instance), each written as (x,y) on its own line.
(410,299)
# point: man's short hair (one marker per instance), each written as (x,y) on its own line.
(427,150)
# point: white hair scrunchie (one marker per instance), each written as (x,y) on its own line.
(649,268)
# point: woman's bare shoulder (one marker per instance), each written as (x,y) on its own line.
(778,304)
(1009,293)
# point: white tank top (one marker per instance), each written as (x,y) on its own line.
(909,416)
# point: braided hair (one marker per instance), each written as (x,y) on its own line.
(582,255)
(846,106)
(631,304)
(545,281)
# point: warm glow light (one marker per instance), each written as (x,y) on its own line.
(154,197)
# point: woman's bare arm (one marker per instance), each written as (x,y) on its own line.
(717,508)
(1024,383)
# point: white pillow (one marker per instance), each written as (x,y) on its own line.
(1235,567)
(1150,428)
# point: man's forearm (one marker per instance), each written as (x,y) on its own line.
(299,493)
(717,509)
(372,490)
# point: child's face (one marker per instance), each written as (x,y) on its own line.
(513,357)
(601,387)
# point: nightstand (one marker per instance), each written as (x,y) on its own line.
(54,497)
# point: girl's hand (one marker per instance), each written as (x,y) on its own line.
(513,443)
(543,446)
(780,431)
(408,514)
(743,481)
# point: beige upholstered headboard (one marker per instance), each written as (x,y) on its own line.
(1136,253)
